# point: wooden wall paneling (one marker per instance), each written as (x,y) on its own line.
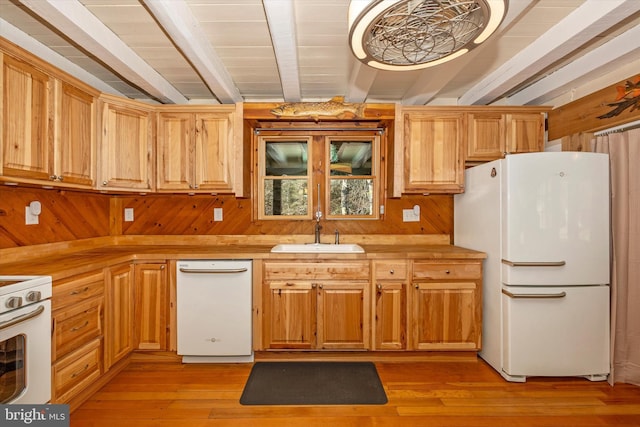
(193,215)
(65,216)
(589,113)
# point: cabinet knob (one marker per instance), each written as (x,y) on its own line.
(52,178)
(60,178)
(104,182)
(391,271)
(447,271)
(162,267)
(379,287)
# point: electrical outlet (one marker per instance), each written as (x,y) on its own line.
(128,214)
(409,215)
(217,214)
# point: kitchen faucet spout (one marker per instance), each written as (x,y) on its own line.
(318,228)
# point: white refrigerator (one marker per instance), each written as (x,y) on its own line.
(543,221)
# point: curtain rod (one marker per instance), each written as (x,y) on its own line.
(621,128)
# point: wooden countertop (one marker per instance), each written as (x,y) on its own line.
(66,262)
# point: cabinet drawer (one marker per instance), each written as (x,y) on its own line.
(328,270)
(77,290)
(438,271)
(390,270)
(74,327)
(76,371)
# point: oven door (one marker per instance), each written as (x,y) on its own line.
(25,354)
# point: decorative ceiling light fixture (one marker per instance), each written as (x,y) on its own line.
(413,34)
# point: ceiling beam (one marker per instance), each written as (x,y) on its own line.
(595,63)
(281,21)
(77,23)
(25,41)
(360,81)
(432,80)
(177,19)
(589,20)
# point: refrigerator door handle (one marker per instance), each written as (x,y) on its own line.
(536,296)
(533,264)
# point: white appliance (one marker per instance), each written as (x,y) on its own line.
(543,220)
(214,311)
(25,339)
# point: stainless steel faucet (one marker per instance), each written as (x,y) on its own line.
(318,228)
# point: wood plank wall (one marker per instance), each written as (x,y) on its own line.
(68,215)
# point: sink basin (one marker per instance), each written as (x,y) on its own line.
(322,248)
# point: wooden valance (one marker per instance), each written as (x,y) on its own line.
(612,106)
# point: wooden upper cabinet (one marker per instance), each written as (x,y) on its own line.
(26,121)
(493,134)
(486,136)
(48,128)
(525,132)
(197,149)
(433,152)
(75,153)
(126,145)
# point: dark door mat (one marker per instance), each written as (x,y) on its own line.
(313,383)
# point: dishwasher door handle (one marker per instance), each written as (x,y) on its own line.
(213,271)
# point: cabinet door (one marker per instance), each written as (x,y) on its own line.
(214,154)
(290,315)
(119,314)
(343,315)
(445,316)
(433,153)
(126,147)
(390,321)
(26,116)
(525,132)
(151,307)
(176,155)
(75,143)
(486,136)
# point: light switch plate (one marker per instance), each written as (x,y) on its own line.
(217,214)
(128,214)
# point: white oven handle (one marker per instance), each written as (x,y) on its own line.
(21,318)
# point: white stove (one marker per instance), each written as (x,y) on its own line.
(25,339)
(19,291)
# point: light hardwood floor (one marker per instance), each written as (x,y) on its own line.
(457,391)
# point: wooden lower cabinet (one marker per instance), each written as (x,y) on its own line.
(316,305)
(290,315)
(446,301)
(151,306)
(119,313)
(394,304)
(76,371)
(77,334)
(389,323)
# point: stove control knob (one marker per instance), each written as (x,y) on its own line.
(13,302)
(33,296)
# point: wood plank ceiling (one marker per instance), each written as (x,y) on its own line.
(223,51)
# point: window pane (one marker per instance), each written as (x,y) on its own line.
(350,158)
(286,158)
(351,197)
(285,197)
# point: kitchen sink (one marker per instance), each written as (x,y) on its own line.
(323,248)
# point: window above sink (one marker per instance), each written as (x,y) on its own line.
(337,175)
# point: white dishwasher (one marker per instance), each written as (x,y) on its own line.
(214,311)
